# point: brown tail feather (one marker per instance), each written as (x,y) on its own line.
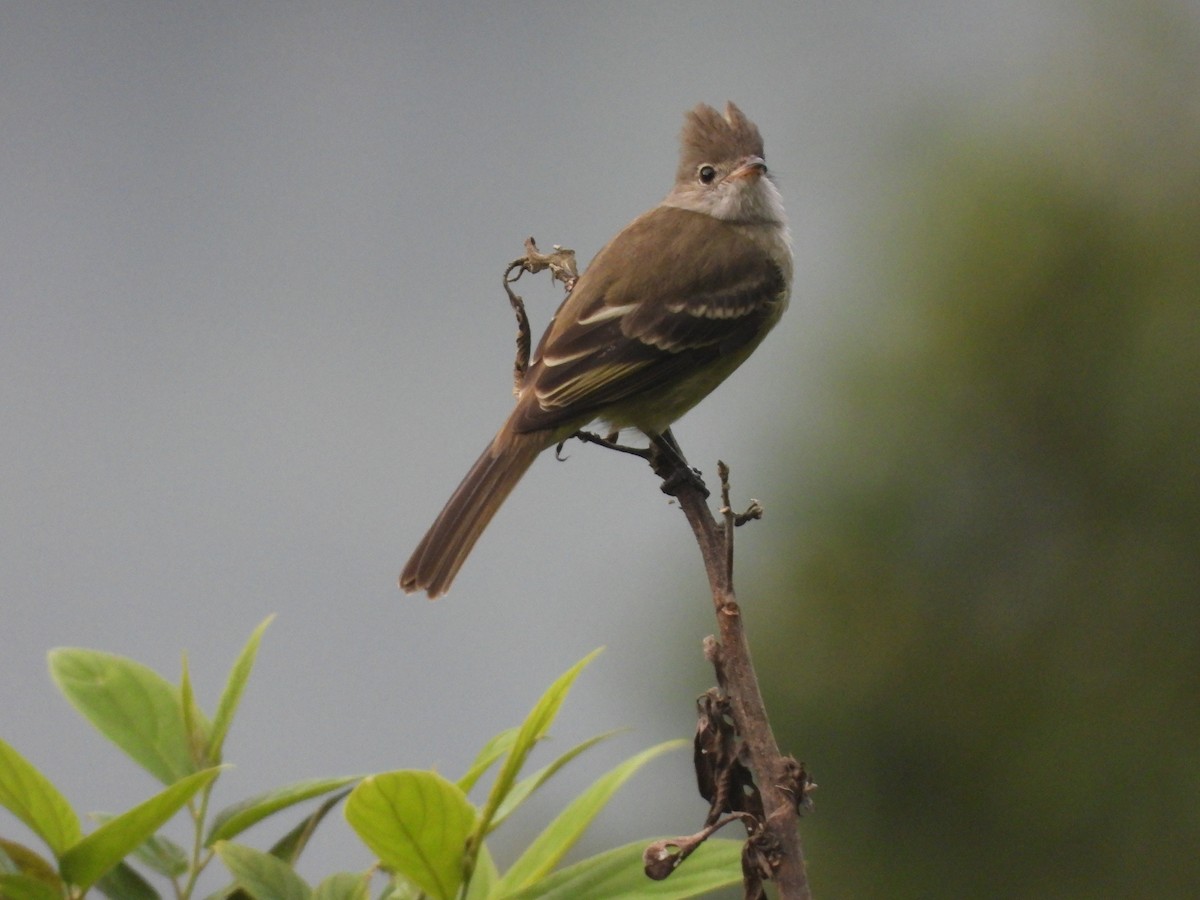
(444,548)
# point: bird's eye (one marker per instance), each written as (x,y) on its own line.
(706,173)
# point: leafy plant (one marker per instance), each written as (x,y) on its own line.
(429,837)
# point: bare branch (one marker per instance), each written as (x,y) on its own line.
(782,789)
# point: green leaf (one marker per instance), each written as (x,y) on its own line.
(91,857)
(344,886)
(29,875)
(618,873)
(402,889)
(17,859)
(526,786)
(264,876)
(24,887)
(131,705)
(291,845)
(29,795)
(234,686)
(123,882)
(162,855)
(230,892)
(158,853)
(417,823)
(233,820)
(533,729)
(195,725)
(560,835)
(492,751)
(484,877)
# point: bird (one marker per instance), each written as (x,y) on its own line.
(667,309)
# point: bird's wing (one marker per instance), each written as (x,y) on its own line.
(645,324)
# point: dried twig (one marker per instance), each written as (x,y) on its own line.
(561,263)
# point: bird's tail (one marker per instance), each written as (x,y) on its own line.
(445,547)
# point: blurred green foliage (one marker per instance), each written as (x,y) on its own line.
(991,576)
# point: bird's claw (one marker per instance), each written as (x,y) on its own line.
(680,478)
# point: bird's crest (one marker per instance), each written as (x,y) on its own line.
(709,137)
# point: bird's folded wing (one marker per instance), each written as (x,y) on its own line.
(645,323)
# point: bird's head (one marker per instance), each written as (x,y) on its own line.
(722,172)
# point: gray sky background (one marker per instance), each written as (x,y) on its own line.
(253,335)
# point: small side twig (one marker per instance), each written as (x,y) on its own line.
(663,857)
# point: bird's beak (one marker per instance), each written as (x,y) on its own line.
(751,167)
